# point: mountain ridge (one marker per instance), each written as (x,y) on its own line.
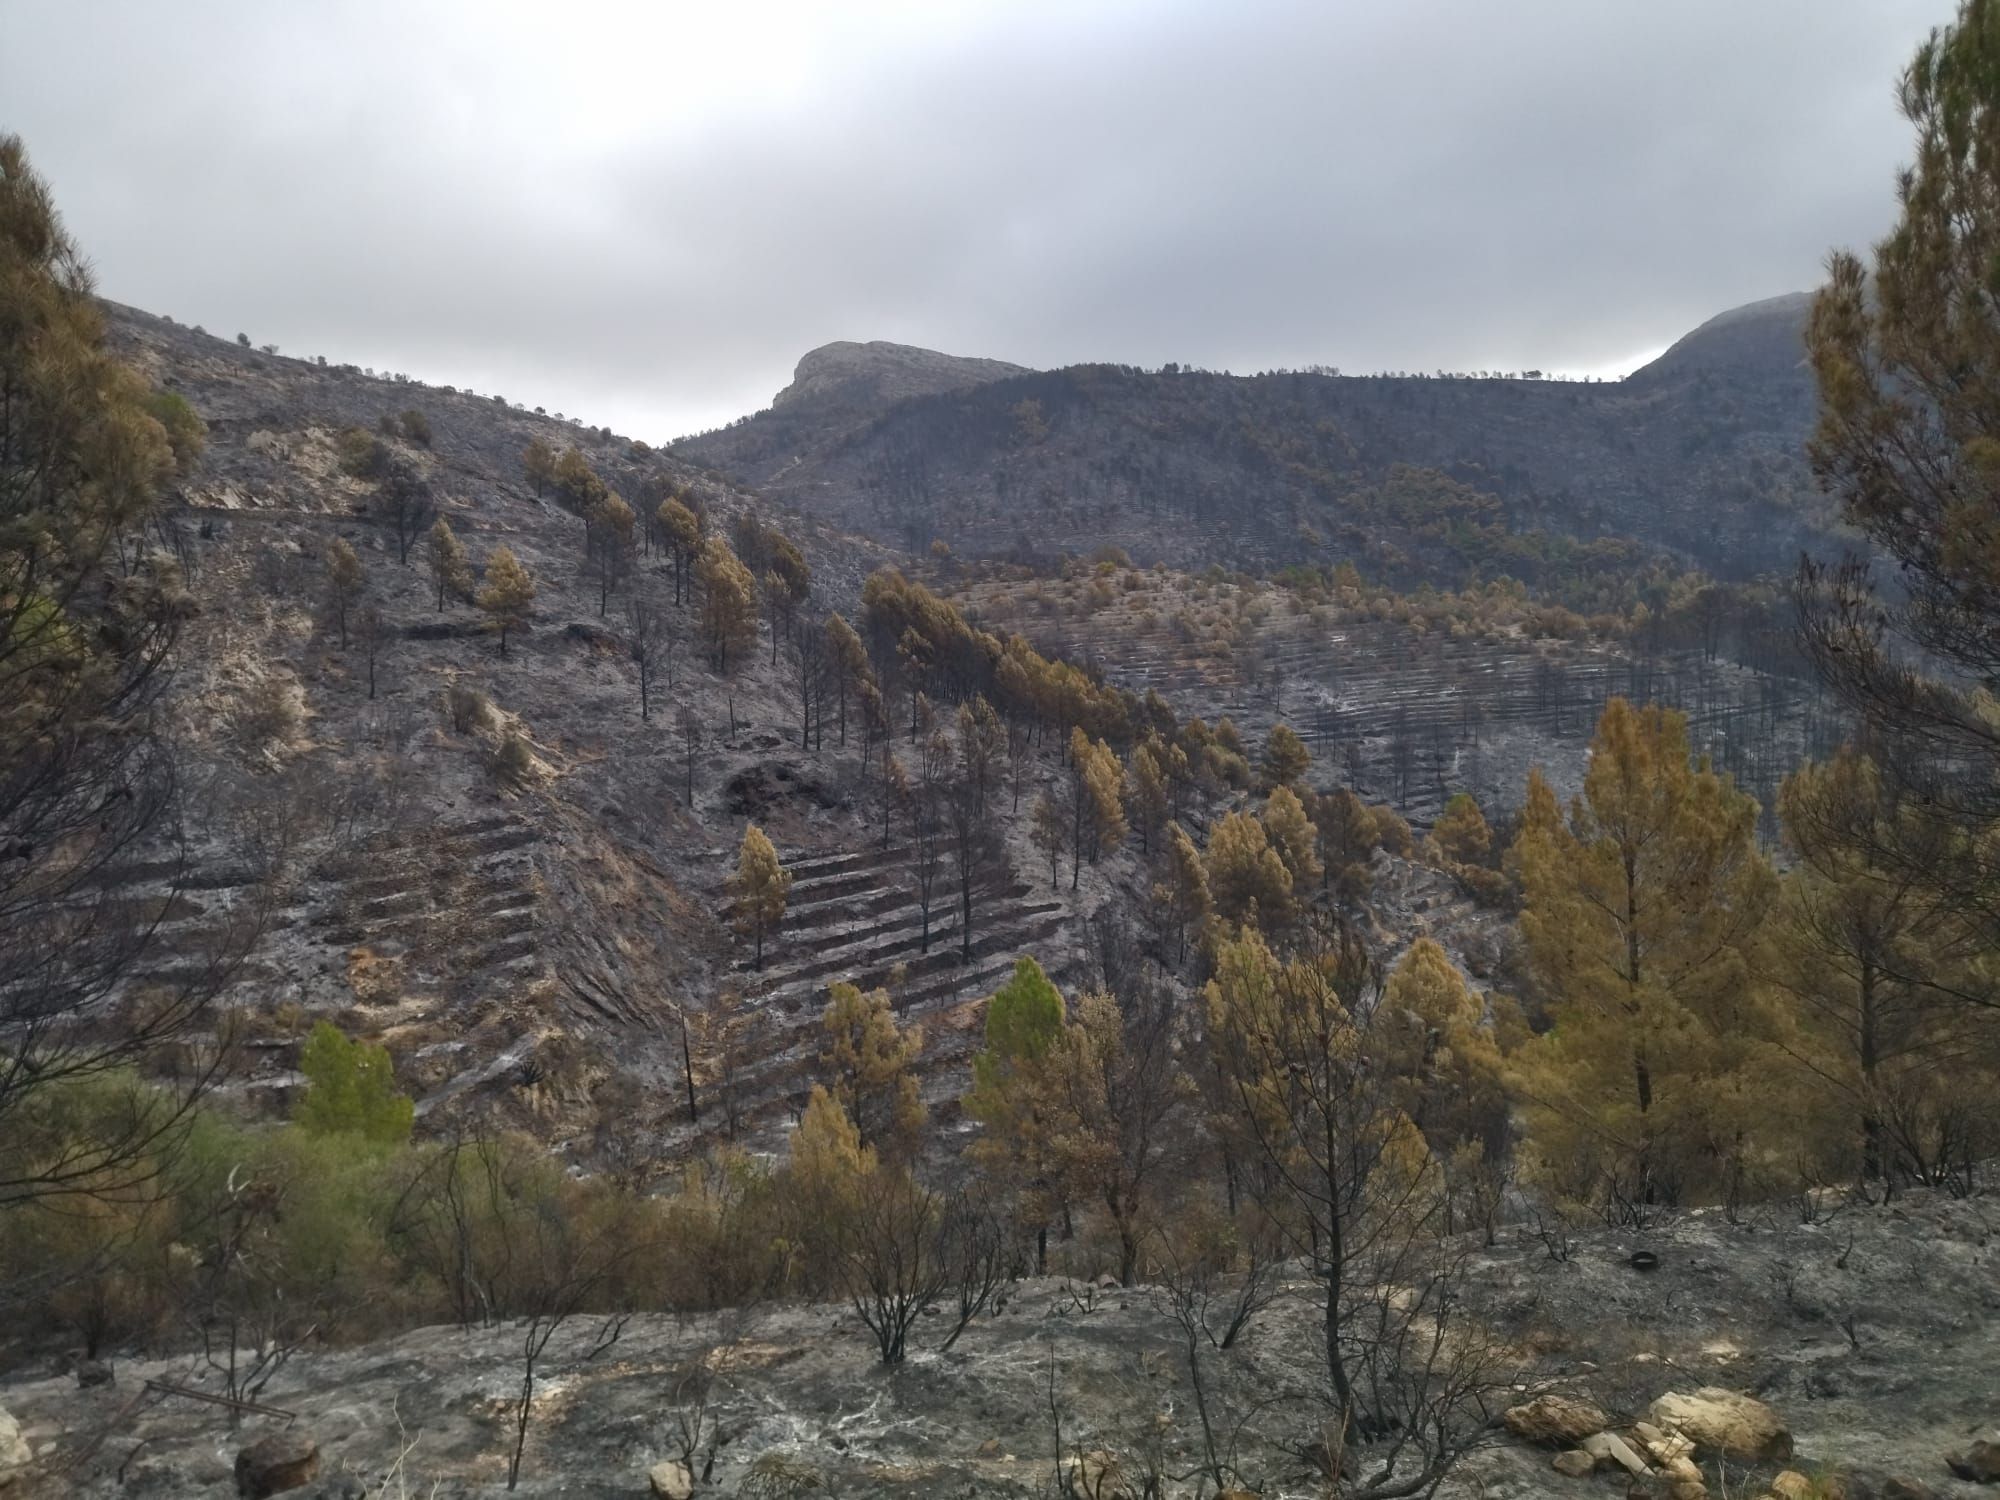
(1699,455)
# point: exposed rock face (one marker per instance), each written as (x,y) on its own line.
(1555,1421)
(879,372)
(15,1454)
(1725,1422)
(1661,1446)
(271,1465)
(1612,1452)
(670,1480)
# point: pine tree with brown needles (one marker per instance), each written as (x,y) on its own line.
(507,594)
(1639,910)
(607,546)
(681,531)
(1247,878)
(451,571)
(538,462)
(870,1064)
(1286,759)
(1182,896)
(759,890)
(728,604)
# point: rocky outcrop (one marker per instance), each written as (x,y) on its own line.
(1612,1452)
(15,1454)
(1661,1446)
(879,373)
(1555,1421)
(1725,1422)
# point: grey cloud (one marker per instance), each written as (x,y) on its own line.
(1433,183)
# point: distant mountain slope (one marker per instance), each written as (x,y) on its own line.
(1700,454)
(1759,339)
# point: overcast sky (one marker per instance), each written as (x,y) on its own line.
(644,213)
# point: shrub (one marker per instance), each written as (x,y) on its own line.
(514,759)
(1487,887)
(270,712)
(185,430)
(362,454)
(1391,831)
(352,1090)
(723,1233)
(417,427)
(468,708)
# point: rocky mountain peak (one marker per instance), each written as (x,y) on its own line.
(883,372)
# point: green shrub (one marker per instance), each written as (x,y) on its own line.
(186,432)
(362,454)
(351,1090)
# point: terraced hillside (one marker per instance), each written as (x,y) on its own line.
(1401,710)
(854,917)
(493,863)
